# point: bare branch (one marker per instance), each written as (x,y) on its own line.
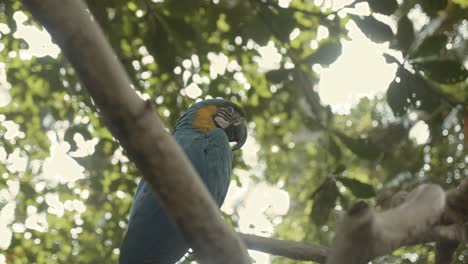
(454,232)
(284,248)
(456,210)
(140,131)
(427,214)
(380,233)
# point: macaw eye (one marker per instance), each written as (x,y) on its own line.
(230,110)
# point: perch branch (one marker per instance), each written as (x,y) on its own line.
(284,248)
(140,131)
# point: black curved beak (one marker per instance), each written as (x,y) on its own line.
(238,134)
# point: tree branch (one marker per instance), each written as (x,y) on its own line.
(284,248)
(140,131)
(427,214)
(380,233)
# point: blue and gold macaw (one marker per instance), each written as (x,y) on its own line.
(204,133)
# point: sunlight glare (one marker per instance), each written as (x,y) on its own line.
(359,71)
(270,58)
(284,3)
(420,133)
(218,64)
(16,161)
(5,86)
(255,203)
(60,167)
(39,41)
(193,91)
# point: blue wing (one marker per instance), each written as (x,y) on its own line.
(151,237)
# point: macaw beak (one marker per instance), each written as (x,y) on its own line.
(237,133)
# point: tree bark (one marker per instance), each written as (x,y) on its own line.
(380,233)
(140,131)
(284,248)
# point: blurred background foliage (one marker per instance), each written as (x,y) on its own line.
(66,186)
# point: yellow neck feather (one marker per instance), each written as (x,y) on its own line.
(204,118)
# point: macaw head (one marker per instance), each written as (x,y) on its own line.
(231,118)
(212,113)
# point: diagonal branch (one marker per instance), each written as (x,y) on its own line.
(140,131)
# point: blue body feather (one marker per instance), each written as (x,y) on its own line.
(151,236)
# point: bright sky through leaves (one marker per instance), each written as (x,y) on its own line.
(361,69)
(255,203)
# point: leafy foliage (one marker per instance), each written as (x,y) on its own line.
(386,7)
(170,50)
(405,34)
(443,71)
(357,188)
(324,202)
(374,29)
(326,54)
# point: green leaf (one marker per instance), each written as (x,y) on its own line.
(358,188)
(326,54)
(405,34)
(334,149)
(374,29)
(163,42)
(443,71)
(386,7)
(132,6)
(397,97)
(421,95)
(182,9)
(390,59)
(119,182)
(324,203)
(278,76)
(339,169)
(432,7)
(182,31)
(266,23)
(344,201)
(257,30)
(23,44)
(411,89)
(360,146)
(432,45)
(263,91)
(71,131)
(283,21)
